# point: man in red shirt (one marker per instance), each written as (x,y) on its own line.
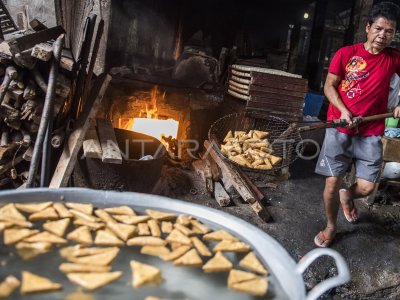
(357,85)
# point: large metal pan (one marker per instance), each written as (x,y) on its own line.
(286,280)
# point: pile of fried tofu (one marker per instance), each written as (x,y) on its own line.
(250,149)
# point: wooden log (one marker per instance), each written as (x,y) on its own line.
(67,61)
(42,51)
(203,170)
(221,196)
(91,145)
(68,158)
(37,25)
(108,141)
(260,196)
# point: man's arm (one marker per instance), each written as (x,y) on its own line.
(397,111)
(331,92)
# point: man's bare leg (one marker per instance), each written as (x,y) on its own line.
(331,206)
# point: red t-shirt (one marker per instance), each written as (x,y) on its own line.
(364,88)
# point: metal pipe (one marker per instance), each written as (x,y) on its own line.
(47,117)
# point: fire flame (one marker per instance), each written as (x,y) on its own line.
(153,126)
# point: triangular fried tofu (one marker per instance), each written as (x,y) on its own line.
(9,212)
(236,276)
(178,237)
(166,227)
(189,259)
(146,241)
(46,237)
(178,252)
(92,225)
(229,135)
(123,231)
(28,254)
(183,220)
(260,134)
(81,235)
(161,216)
(255,287)
(274,159)
(154,227)
(46,214)
(11,236)
(219,263)
(85,208)
(144,274)
(82,268)
(101,259)
(41,246)
(182,228)
(105,238)
(155,250)
(200,247)
(251,263)
(32,283)
(78,250)
(57,227)
(92,281)
(120,210)
(8,286)
(31,208)
(62,211)
(143,229)
(4,225)
(131,220)
(219,235)
(197,225)
(104,216)
(175,245)
(81,215)
(232,246)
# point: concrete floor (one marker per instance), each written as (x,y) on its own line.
(371,248)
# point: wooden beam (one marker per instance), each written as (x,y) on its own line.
(221,196)
(108,142)
(68,158)
(91,144)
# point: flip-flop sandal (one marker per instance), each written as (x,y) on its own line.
(351,215)
(326,241)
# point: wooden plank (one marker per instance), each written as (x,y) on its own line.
(91,145)
(274,90)
(221,196)
(108,142)
(68,158)
(256,76)
(279,97)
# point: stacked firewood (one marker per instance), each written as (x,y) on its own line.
(25,62)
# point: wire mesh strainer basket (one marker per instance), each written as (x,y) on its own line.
(286,146)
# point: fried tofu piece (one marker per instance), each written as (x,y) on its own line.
(275,160)
(251,263)
(154,228)
(236,276)
(92,281)
(182,228)
(178,237)
(146,241)
(197,225)
(104,216)
(183,220)
(123,231)
(228,136)
(238,133)
(85,208)
(81,215)
(155,250)
(31,208)
(219,235)
(105,238)
(258,134)
(92,225)
(144,274)
(79,250)
(231,246)
(166,227)
(62,211)
(32,283)
(100,259)
(264,167)
(44,215)
(81,235)
(8,286)
(175,254)
(12,236)
(201,247)
(57,227)
(219,263)
(28,251)
(255,287)
(160,216)
(4,225)
(120,210)
(131,220)
(143,229)
(241,160)
(82,268)
(46,237)
(189,259)
(10,213)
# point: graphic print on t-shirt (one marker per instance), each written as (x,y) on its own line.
(355,71)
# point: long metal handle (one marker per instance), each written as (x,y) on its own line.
(343,271)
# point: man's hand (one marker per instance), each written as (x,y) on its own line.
(396,112)
(347,116)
